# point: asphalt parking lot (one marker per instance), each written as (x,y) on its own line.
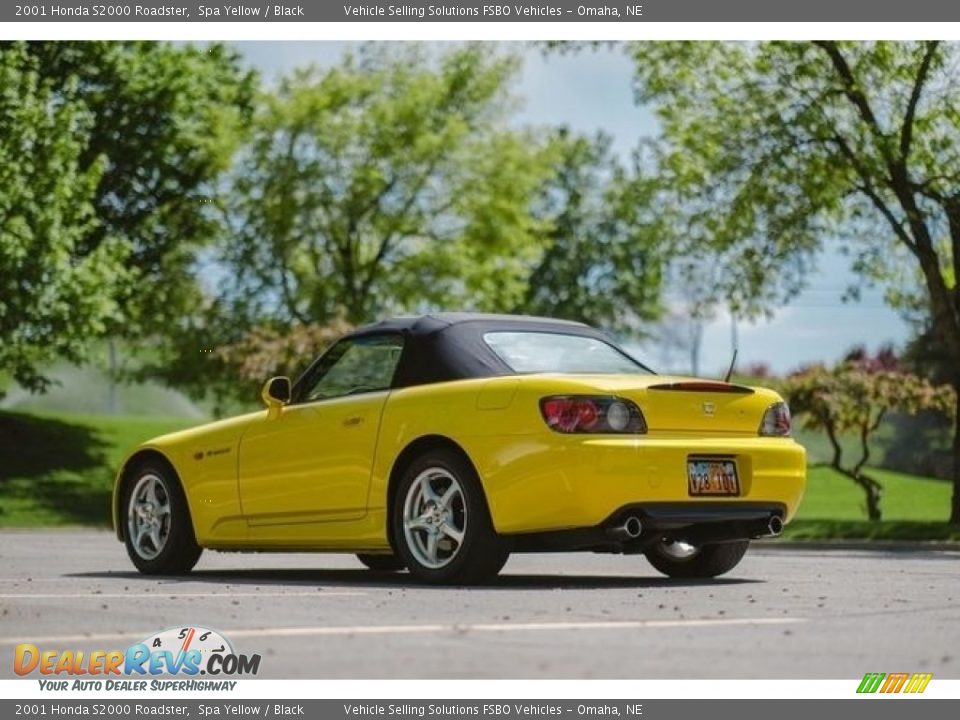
(783,613)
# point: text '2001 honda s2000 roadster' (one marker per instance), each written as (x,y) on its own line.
(445,442)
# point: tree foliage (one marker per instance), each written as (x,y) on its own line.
(55,293)
(385,183)
(773,149)
(603,260)
(111,155)
(164,121)
(921,444)
(265,352)
(853,398)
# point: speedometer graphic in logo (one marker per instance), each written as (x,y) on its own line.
(181,640)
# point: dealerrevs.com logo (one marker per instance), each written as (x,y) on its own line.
(183,651)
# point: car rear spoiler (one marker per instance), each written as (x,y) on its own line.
(710,386)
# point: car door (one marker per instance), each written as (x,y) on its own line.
(312,461)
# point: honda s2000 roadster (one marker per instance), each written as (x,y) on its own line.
(443,443)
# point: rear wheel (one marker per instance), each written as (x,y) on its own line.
(158,532)
(381,563)
(441,524)
(681,560)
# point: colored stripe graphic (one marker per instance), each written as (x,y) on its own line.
(918,682)
(894,682)
(871,682)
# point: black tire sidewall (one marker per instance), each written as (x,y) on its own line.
(181,552)
(476,557)
(710,560)
(381,563)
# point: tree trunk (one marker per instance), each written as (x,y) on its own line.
(871,488)
(872,491)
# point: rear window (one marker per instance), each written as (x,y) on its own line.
(543,352)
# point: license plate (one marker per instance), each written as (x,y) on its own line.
(706,476)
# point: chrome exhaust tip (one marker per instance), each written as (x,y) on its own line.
(631,529)
(774,526)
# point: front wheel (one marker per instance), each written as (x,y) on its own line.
(158,532)
(681,560)
(441,525)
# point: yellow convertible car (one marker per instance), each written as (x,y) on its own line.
(443,443)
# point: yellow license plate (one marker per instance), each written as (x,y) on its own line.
(708,476)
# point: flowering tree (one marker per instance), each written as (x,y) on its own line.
(265,352)
(854,397)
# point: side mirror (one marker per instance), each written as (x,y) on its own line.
(276,393)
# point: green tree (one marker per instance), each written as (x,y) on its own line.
(54,292)
(855,397)
(163,122)
(772,150)
(388,182)
(602,263)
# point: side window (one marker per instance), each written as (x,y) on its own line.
(354,366)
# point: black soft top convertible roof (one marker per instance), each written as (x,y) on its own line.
(450,346)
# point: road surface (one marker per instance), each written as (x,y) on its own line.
(783,613)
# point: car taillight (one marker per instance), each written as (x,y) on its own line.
(776,420)
(592,414)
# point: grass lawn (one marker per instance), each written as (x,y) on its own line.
(831,496)
(59,469)
(914,508)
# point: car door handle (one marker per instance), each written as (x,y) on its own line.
(353,420)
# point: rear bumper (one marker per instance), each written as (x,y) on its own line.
(695,523)
(548,482)
(666,516)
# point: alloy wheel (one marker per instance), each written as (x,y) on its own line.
(148,516)
(434,517)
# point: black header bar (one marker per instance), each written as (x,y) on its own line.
(571,11)
(495,709)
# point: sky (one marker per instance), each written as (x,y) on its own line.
(592,91)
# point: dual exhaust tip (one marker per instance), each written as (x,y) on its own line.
(631,528)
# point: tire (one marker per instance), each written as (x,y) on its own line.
(381,563)
(705,561)
(167,545)
(441,524)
